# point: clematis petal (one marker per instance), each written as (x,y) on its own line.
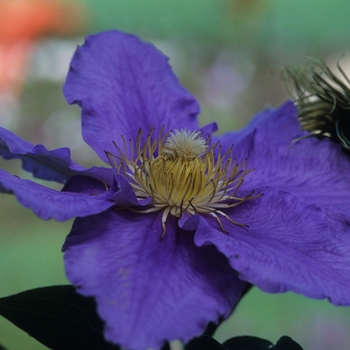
(48,203)
(283,250)
(148,289)
(317,170)
(281,126)
(123,84)
(53,165)
(124,195)
(208,129)
(281,123)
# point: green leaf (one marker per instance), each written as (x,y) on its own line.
(247,343)
(255,343)
(57,317)
(204,343)
(287,343)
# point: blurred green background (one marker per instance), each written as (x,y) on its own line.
(226,52)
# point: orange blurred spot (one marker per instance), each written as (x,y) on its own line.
(23,21)
(28,19)
(14,60)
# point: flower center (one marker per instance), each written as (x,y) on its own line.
(184,145)
(184,175)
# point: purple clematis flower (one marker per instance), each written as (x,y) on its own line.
(168,233)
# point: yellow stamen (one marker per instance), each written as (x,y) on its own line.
(181,173)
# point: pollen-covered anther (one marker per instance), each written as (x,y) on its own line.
(181,174)
(185,145)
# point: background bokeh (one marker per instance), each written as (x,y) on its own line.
(226,52)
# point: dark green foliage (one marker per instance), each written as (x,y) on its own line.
(57,317)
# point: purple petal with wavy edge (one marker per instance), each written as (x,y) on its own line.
(123,84)
(124,195)
(148,289)
(316,170)
(53,165)
(288,247)
(281,123)
(51,204)
(208,129)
